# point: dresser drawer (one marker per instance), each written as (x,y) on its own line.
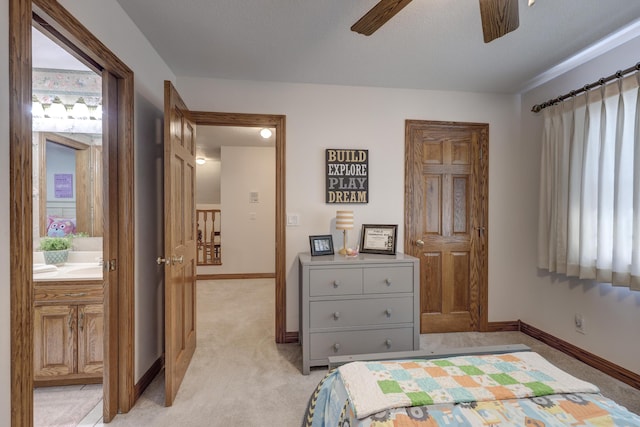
(361,312)
(339,281)
(382,280)
(325,344)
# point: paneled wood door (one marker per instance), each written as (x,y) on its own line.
(446,211)
(180,240)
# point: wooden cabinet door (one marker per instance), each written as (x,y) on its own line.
(90,339)
(55,340)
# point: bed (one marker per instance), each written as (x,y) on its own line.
(495,387)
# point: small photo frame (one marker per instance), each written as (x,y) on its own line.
(321,245)
(378,239)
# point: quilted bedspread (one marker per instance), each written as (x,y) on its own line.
(373,387)
(556,410)
(508,390)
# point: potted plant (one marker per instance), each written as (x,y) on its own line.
(55,249)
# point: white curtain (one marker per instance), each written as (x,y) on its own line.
(589,219)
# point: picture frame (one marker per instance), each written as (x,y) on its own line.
(378,239)
(321,245)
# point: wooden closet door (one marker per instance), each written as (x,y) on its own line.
(446,208)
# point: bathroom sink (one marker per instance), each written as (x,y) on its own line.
(68,271)
(85,271)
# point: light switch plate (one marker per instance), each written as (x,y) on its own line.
(293,220)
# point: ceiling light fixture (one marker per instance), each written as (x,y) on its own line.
(266,133)
(57,110)
(37,111)
(200,160)
(80,110)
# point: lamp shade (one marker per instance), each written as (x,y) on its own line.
(344,220)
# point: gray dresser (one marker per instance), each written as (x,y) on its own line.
(365,304)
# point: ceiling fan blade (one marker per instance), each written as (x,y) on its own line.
(499,17)
(378,15)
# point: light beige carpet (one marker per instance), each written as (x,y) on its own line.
(64,406)
(240,377)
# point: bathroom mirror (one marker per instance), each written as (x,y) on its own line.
(68,185)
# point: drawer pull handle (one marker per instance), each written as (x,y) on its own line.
(336,347)
(387,281)
(336,283)
(388,312)
(388,343)
(76,294)
(336,315)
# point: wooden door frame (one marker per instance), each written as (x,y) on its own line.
(119,304)
(483,188)
(202,118)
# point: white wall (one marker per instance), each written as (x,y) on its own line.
(323,116)
(208,182)
(612,315)
(247,229)
(5,318)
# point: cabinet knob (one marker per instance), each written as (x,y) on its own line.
(336,315)
(336,347)
(388,312)
(388,343)
(336,283)
(387,281)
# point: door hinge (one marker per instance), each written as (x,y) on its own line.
(111,265)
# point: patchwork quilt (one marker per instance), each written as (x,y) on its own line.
(517,389)
(375,386)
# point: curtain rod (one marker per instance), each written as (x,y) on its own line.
(618,74)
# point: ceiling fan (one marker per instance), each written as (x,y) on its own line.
(499,17)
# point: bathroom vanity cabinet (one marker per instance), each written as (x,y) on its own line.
(68,332)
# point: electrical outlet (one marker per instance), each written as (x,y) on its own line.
(579,323)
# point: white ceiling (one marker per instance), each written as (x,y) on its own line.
(48,54)
(431,44)
(209,139)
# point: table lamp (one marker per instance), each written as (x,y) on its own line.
(344,222)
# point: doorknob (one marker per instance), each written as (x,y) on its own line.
(161,260)
(420,243)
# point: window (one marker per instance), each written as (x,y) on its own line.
(589,219)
